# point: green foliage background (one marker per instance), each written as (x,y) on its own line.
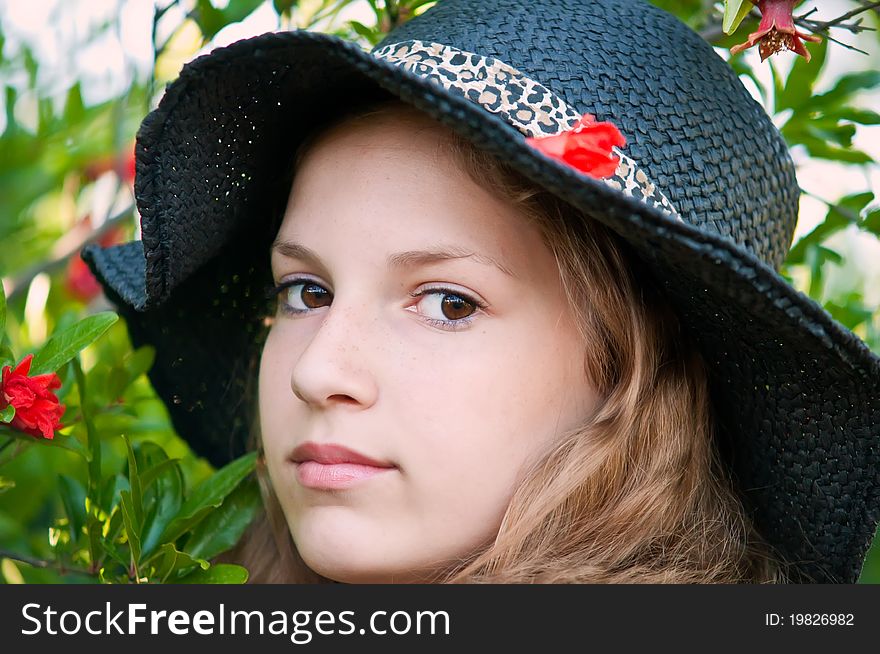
(59,153)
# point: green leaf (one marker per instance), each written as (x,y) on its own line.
(7,414)
(163,491)
(210,494)
(68,378)
(153,473)
(93,443)
(842,135)
(778,83)
(283,6)
(6,484)
(70,443)
(74,108)
(871,222)
(120,377)
(816,258)
(372,36)
(115,383)
(112,525)
(170,561)
(132,528)
(137,498)
(692,12)
(66,320)
(860,116)
(2,310)
(799,85)
(840,216)
(211,20)
(223,528)
(65,345)
(63,441)
(845,88)
(851,312)
(820,149)
(97,546)
(108,547)
(734,13)
(111,491)
(73,497)
(7,358)
(222,573)
(139,361)
(152,460)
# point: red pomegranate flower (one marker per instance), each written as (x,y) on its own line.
(123,163)
(37,411)
(776,31)
(78,279)
(585,147)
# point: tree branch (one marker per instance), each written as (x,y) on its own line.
(60,568)
(854,27)
(845,45)
(23,280)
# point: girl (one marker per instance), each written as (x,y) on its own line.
(524,321)
(549,424)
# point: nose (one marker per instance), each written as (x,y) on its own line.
(333,369)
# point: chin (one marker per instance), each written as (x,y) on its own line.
(348,551)
(349,571)
(350,565)
(343,555)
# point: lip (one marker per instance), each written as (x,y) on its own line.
(331,466)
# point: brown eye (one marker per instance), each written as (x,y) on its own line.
(301,297)
(313,296)
(455,307)
(447,308)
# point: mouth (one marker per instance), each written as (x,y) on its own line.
(333,467)
(334,476)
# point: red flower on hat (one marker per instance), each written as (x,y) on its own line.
(37,411)
(776,32)
(585,147)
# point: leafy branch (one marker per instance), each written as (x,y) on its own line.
(67,248)
(58,566)
(822,27)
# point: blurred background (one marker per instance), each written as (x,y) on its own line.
(78,76)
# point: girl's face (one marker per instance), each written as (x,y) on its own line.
(423,325)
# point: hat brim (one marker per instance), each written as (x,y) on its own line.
(808,469)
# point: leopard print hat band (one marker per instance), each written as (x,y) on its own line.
(529,106)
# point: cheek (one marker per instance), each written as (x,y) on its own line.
(268,387)
(472,417)
(274,392)
(487,411)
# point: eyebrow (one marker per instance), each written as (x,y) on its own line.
(407,259)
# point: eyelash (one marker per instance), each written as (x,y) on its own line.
(448,325)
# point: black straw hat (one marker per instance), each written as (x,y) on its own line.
(709,209)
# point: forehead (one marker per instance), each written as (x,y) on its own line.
(391,130)
(391,180)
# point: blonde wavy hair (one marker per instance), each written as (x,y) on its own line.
(638,493)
